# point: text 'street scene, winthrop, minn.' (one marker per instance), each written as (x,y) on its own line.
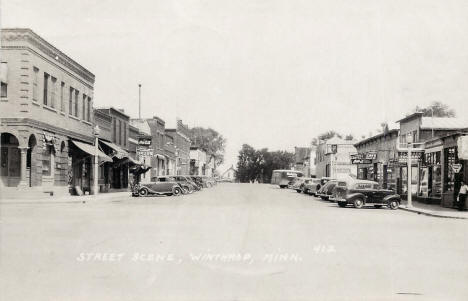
(233,150)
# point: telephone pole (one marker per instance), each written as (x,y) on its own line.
(139,101)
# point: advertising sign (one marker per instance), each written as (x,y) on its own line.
(144,152)
(144,141)
(403,156)
(360,161)
(456,167)
(462,144)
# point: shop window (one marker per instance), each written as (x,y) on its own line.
(4,90)
(47,161)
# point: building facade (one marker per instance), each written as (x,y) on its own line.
(333,158)
(180,137)
(302,160)
(377,160)
(198,163)
(46,113)
(158,142)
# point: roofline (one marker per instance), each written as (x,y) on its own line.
(376,137)
(410,116)
(115,110)
(51,47)
(448,136)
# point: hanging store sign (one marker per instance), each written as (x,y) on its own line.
(144,152)
(144,141)
(403,156)
(360,161)
(456,167)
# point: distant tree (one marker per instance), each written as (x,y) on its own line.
(349,137)
(328,135)
(209,140)
(384,126)
(440,110)
(258,165)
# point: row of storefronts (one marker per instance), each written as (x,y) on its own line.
(439,159)
(51,132)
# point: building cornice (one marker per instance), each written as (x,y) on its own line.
(29,36)
(45,126)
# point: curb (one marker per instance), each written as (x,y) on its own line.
(108,197)
(414,210)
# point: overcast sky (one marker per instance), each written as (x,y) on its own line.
(268,73)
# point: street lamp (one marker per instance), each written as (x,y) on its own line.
(96,132)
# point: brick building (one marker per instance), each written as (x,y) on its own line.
(46,113)
(158,142)
(180,136)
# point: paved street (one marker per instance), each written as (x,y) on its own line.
(231,242)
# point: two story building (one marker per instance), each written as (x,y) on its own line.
(333,158)
(46,116)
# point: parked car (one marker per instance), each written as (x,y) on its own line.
(186,187)
(362,192)
(302,183)
(326,191)
(188,182)
(295,182)
(157,188)
(312,186)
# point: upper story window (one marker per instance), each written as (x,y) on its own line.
(89,109)
(77,102)
(35,83)
(46,89)
(62,101)
(84,106)
(4,90)
(114,130)
(125,134)
(70,101)
(120,132)
(53,91)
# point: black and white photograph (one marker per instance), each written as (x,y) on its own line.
(234,150)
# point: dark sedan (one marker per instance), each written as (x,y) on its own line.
(362,192)
(157,188)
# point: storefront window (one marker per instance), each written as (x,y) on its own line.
(47,161)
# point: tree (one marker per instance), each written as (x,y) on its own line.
(440,110)
(209,141)
(258,165)
(349,137)
(328,135)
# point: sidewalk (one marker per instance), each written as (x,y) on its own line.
(434,210)
(102,197)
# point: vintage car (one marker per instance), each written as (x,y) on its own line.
(326,191)
(300,185)
(362,192)
(186,187)
(312,186)
(295,182)
(188,181)
(157,188)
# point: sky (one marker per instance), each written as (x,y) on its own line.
(271,73)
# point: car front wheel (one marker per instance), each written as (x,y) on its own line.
(143,192)
(177,191)
(358,203)
(394,204)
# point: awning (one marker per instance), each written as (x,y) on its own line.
(134,161)
(159,156)
(117,151)
(90,149)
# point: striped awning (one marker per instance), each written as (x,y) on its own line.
(117,151)
(91,150)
